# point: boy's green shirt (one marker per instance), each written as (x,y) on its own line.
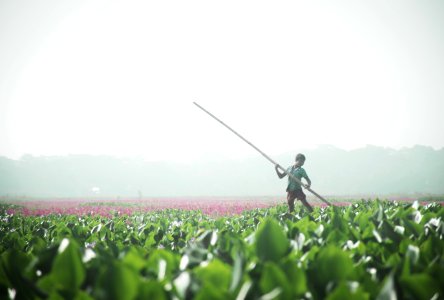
(298,173)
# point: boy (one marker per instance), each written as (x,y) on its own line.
(294,189)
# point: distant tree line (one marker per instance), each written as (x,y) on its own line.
(369,170)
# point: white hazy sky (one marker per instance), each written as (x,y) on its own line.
(119,77)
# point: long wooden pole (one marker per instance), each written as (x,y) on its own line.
(264,155)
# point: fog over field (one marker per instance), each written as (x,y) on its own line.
(365,171)
(96,96)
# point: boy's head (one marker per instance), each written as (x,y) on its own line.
(300,159)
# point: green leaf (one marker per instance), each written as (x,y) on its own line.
(207,238)
(388,231)
(193,257)
(306,226)
(337,237)
(163,263)
(272,277)
(56,296)
(420,286)
(216,273)
(134,260)
(151,290)
(48,284)
(207,292)
(332,264)
(296,277)
(362,219)
(237,273)
(82,296)
(345,291)
(410,259)
(271,244)
(14,265)
(182,284)
(338,221)
(37,244)
(68,271)
(412,228)
(412,254)
(117,281)
(388,291)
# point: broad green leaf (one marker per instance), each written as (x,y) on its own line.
(208,238)
(68,271)
(412,228)
(338,220)
(388,291)
(336,237)
(421,286)
(296,277)
(388,231)
(273,277)
(163,263)
(193,256)
(412,254)
(80,295)
(332,264)
(237,272)
(182,284)
(410,259)
(345,291)
(117,281)
(216,273)
(56,296)
(208,292)
(306,226)
(134,260)
(14,266)
(38,244)
(271,244)
(151,290)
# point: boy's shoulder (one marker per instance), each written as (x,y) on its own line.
(291,168)
(302,171)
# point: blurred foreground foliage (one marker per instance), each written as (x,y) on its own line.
(367,250)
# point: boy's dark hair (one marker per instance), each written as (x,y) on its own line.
(300,156)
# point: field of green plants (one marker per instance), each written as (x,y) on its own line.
(365,250)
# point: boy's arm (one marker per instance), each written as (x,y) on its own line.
(308,180)
(279,174)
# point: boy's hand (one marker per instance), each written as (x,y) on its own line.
(307,186)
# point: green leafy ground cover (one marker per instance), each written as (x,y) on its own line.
(367,250)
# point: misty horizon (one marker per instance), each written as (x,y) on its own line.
(366,171)
(210,156)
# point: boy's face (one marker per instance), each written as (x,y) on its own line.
(300,162)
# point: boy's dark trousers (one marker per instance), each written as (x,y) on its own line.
(297,194)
